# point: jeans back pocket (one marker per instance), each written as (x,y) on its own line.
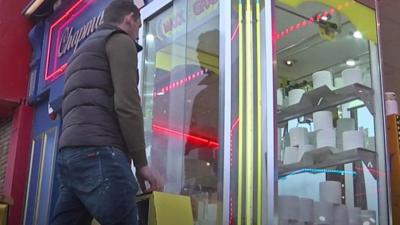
(86,172)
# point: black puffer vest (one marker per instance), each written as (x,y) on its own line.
(88,101)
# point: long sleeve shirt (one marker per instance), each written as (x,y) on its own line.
(122,57)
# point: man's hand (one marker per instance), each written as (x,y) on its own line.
(144,174)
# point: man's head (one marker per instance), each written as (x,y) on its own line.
(125,15)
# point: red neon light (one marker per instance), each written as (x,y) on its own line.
(71,18)
(234,35)
(181,82)
(58,71)
(230,210)
(189,137)
(231,141)
(67,13)
(371,170)
(311,20)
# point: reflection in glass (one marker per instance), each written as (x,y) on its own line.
(325,56)
(180,98)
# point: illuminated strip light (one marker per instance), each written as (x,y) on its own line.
(258,105)
(372,171)
(311,20)
(234,35)
(234,125)
(188,137)
(180,82)
(312,170)
(67,13)
(240,139)
(231,210)
(249,115)
(303,24)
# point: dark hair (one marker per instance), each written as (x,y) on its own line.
(118,9)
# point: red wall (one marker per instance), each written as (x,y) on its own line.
(15,52)
(18,161)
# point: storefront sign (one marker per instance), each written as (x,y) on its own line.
(199,11)
(71,36)
(201,6)
(66,33)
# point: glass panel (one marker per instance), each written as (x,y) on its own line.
(328,133)
(180,99)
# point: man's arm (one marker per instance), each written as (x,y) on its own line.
(122,56)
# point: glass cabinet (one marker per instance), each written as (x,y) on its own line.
(267,112)
(330,142)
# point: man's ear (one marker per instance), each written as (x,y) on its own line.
(126,18)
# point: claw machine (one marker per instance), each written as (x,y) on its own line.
(267,112)
(331,157)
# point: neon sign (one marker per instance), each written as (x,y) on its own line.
(72,37)
(68,31)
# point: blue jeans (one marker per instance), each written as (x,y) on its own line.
(95,182)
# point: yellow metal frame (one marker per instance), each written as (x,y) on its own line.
(240,125)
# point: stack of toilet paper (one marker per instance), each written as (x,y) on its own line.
(329,210)
(323,126)
(322,78)
(299,144)
(349,77)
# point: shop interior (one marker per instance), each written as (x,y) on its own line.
(326,62)
(327,158)
(181,104)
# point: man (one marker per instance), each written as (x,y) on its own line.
(103,126)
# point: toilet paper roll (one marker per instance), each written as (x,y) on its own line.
(338,82)
(295,96)
(323,213)
(352,76)
(211,212)
(322,120)
(279,97)
(322,78)
(354,215)
(290,155)
(306,212)
(368,217)
(343,125)
(312,136)
(298,136)
(288,208)
(303,149)
(391,106)
(340,215)
(353,139)
(326,138)
(330,191)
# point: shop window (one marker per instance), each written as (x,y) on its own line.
(181,101)
(328,77)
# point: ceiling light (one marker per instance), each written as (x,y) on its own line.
(351,62)
(289,62)
(357,34)
(208,164)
